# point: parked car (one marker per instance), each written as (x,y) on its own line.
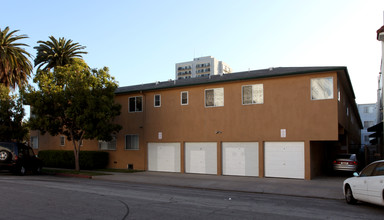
(346,162)
(366,186)
(19,158)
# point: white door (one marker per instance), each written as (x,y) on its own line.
(164,157)
(201,157)
(284,159)
(241,158)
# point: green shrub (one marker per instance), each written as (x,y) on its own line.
(65,159)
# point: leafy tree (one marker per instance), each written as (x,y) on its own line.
(12,127)
(74,101)
(15,66)
(55,52)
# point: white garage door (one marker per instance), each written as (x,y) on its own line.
(284,159)
(241,158)
(164,157)
(201,158)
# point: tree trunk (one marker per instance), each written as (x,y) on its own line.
(76,151)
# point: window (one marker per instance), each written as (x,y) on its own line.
(131,142)
(253,94)
(136,104)
(157,101)
(368,170)
(184,98)
(34,142)
(214,97)
(108,145)
(379,170)
(322,88)
(368,124)
(62,140)
(369,109)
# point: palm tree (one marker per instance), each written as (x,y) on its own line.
(57,52)
(15,66)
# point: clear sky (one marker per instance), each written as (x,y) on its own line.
(140,41)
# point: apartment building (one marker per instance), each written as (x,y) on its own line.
(277,122)
(368,115)
(200,67)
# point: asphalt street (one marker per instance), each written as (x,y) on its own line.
(53,197)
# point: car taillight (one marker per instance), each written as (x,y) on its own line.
(352,163)
(336,162)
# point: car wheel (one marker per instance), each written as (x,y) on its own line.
(4,155)
(38,170)
(349,196)
(22,170)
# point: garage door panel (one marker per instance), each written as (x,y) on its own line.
(240,158)
(284,159)
(201,157)
(164,157)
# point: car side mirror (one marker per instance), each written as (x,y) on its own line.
(356,174)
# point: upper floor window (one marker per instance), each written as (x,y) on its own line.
(368,124)
(322,88)
(157,100)
(184,98)
(214,97)
(135,104)
(253,94)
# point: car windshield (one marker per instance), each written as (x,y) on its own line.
(346,156)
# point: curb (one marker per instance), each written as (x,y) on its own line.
(73,175)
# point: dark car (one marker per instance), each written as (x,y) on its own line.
(19,158)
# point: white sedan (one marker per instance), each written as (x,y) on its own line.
(366,186)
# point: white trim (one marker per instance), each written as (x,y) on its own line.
(332,89)
(214,100)
(181,97)
(154,101)
(142,104)
(242,94)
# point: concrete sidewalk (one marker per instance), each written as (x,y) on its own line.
(322,187)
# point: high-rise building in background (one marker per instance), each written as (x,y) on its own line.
(201,66)
(368,115)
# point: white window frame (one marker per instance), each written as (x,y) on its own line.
(181,98)
(110,145)
(317,83)
(216,100)
(62,140)
(253,96)
(129,104)
(154,100)
(137,147)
